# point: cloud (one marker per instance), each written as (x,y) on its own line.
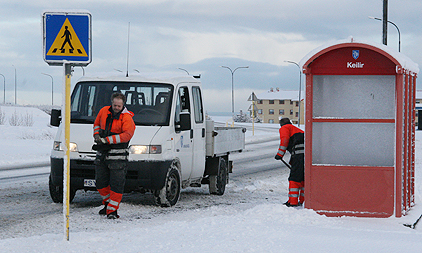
(200,36)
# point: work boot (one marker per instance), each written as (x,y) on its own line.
(287,203)
(113,215)
(104,210)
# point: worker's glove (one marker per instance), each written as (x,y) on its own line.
(99,140)
(277,157)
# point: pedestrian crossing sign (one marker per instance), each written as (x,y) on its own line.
(67,38)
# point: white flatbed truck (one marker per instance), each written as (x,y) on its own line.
(173,147)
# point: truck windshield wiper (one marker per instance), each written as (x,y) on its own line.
(79,120)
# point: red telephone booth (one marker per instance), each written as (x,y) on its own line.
(359,130)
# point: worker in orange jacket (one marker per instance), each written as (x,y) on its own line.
(113,129)
(292,140)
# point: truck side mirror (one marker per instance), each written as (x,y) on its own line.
(184,121)
(55,117)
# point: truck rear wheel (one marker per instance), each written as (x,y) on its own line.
(56,192)
(170,193)
(218,182)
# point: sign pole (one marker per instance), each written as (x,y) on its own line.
(66,164)
(253,117)
(253,98)
(67,42)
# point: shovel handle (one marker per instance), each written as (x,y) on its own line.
(288,165)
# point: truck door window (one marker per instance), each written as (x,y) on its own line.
(91,97)
(83,102)
(182,103)
(197,104)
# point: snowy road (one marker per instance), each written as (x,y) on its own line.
(28,206)
(249,217)
(15,175)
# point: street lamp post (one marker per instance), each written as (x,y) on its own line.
(16,91)
(398,30)
(51,87)
(4,89)
(300,88)
(232,72)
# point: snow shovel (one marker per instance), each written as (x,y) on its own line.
(285,163)
(414,224)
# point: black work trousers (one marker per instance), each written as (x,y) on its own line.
(297,172)
(110,173)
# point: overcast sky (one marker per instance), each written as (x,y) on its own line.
(198,36)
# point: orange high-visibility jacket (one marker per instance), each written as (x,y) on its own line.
(122,128)
(286,131)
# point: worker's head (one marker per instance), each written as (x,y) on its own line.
(284,121)
(118,101)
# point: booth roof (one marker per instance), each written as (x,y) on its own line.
(404,61)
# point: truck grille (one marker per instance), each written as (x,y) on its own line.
(86,169)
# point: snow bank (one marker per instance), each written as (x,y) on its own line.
(32,142)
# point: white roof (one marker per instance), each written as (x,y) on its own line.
(404,61)
(276,94)
(140,77)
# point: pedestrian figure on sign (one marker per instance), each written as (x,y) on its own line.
(68,36)
(292,140)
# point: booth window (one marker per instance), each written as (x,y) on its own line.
(357,97)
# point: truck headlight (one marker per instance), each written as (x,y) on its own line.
(73,147)
(138,149)
(145,149)
(57,145)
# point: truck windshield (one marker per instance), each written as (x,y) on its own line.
(150,102)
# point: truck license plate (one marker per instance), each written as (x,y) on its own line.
(89,182)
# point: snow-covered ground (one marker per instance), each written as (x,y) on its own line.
(249,217)
(21,142)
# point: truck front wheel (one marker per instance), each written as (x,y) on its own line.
(170,193)
(56,192)
(218,182)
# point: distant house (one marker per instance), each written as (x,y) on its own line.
(277,103)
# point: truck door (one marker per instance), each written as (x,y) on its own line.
(183,139)
(198,134)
